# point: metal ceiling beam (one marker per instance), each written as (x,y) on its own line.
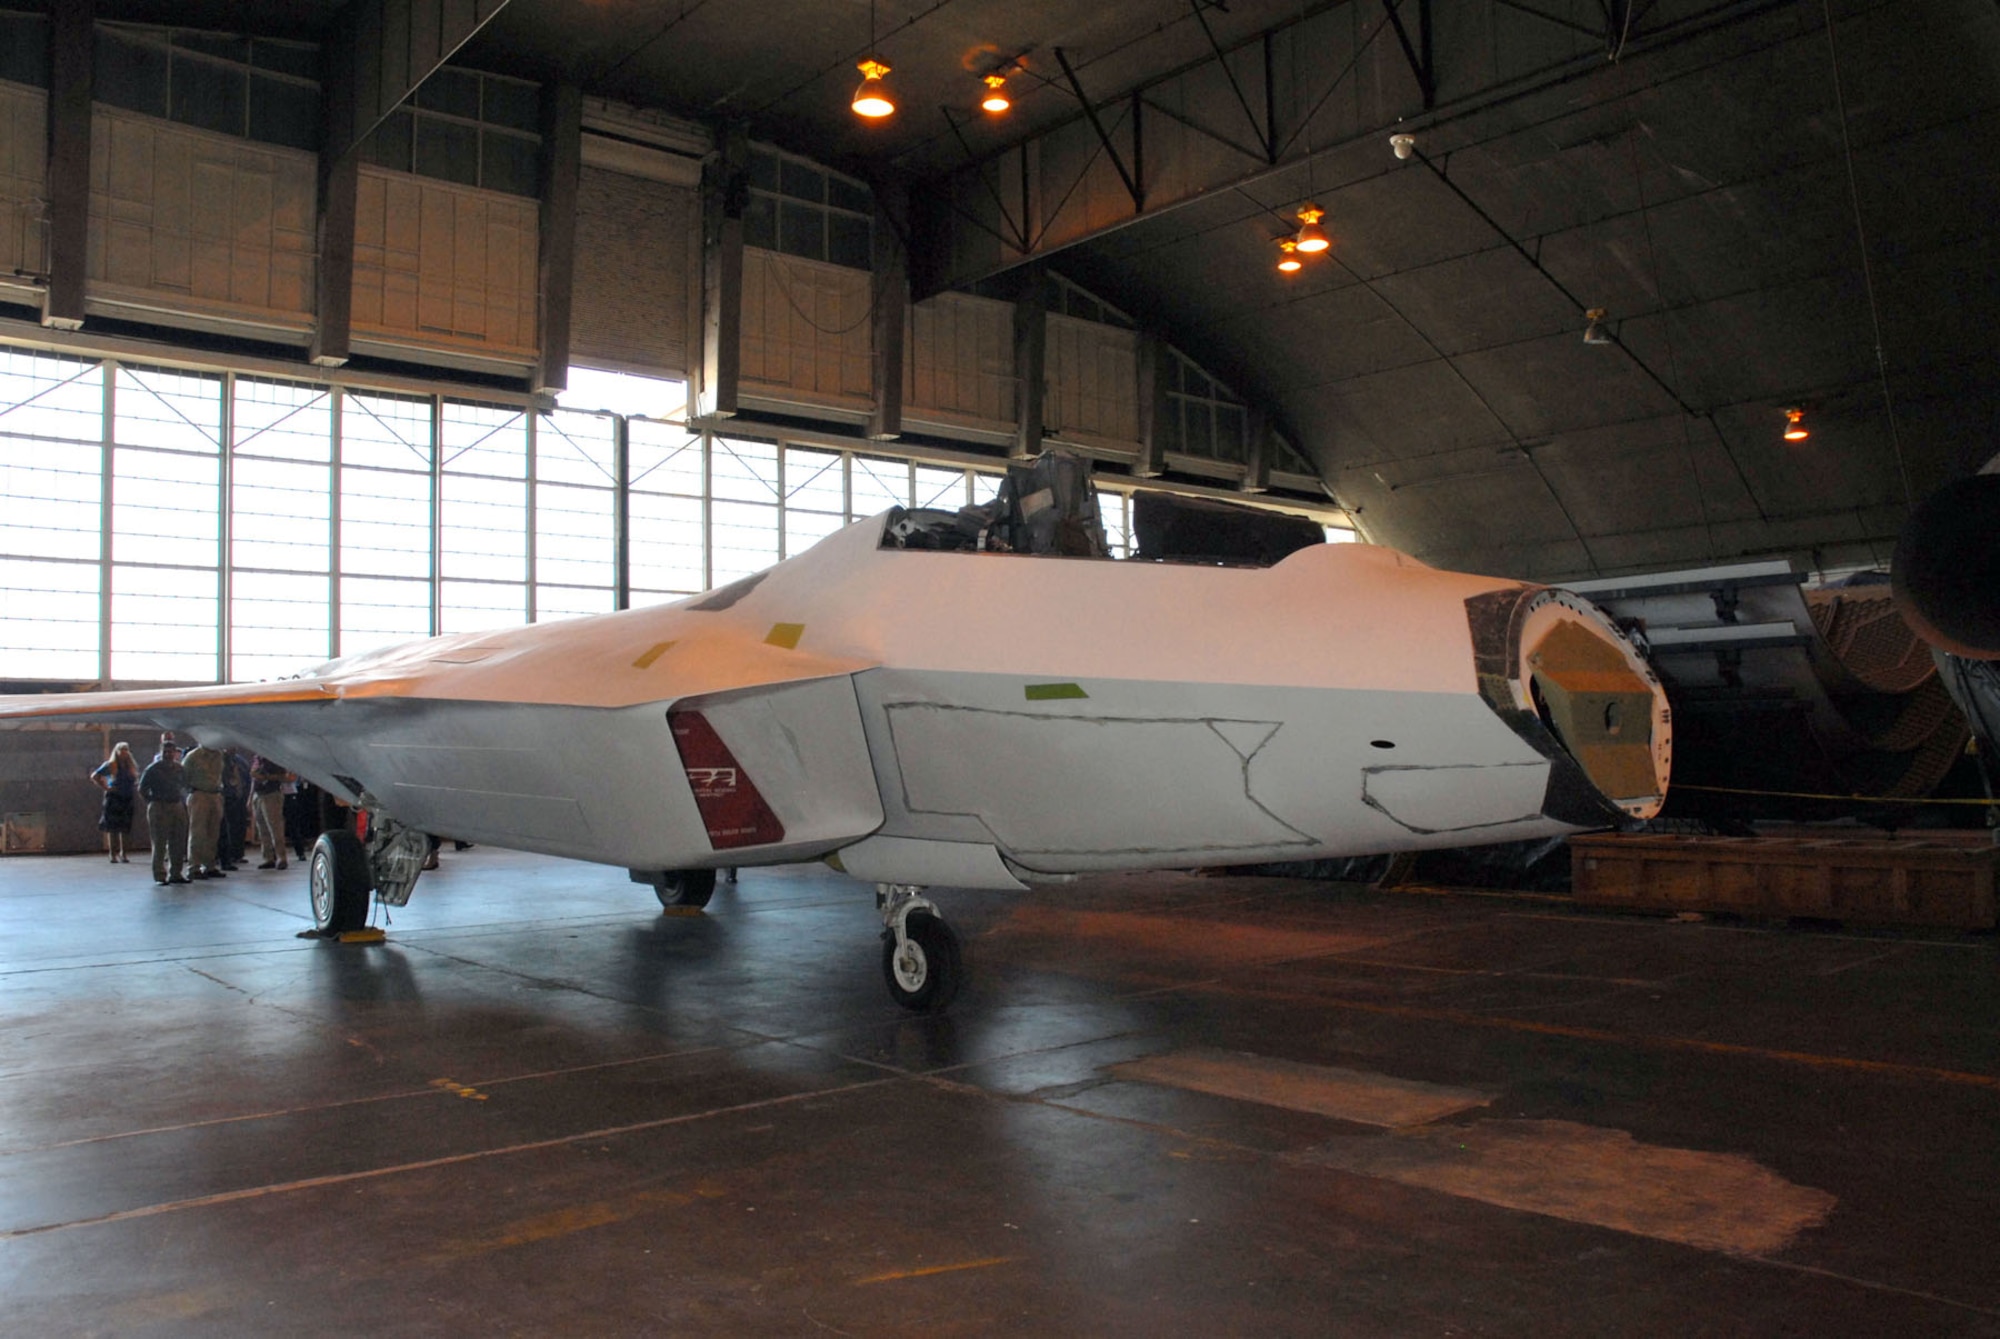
(976,216)
(1133,188)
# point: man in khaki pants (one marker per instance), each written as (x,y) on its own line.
(165,793)
(267,785)
(202,769)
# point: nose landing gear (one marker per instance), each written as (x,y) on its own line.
(921,958)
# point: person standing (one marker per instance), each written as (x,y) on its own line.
(267,785)
(164,788)
(203,770)
(235,808)
(118,778)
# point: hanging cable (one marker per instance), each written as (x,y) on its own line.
(1867,270)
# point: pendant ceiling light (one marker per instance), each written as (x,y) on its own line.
(995,100)
(1795,428)
(1312,239)
(1288,256)
(872,99)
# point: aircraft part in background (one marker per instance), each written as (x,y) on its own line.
(1788,693)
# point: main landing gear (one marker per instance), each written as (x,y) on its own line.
(921,958)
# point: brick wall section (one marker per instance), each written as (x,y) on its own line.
(630,307)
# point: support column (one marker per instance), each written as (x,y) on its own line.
(561,167)
(1155,377)
(333,285)
(1257,451)
(891,283)
(1031,347)
(621,512)
(725,193)
(70,72)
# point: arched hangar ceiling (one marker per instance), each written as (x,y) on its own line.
(1711,174)
(1778,203)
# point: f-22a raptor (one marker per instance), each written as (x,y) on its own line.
(920,712)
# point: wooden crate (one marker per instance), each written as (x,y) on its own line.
(1863,880)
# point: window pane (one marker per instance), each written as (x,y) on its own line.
(985,487)
(746,539)
(574,448)
(847,195)
(1111,509)
(211,96)
(277,624)
(745,471)
(485,439)
(803,529)
(760,222)
(389,144)
(447,150)
(24,48)
(483,528)
(375,613)
(280,515)
(53,495)
(666,544)
(163,624)
(385,524)
(508,163)
(49,629)
(282,112)
(277,418)
(555,603)
(299,58)
(801,230)
(392,432)
(573,544)
(814,481)
(178,411)
(130,73)
(452,90)
(165,508)
(46,396)
(510,104)
(944,489)
(879,485)
(665,458)
(471,606)
(623,393)
(801,181)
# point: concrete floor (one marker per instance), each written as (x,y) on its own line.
(1165,1105)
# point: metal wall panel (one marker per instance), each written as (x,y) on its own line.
(805,329)
(437,265)
(634,272)
(197,222)
(1093,383)
(24,165)
(959,360)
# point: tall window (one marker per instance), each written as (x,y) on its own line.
(253,88)
(802,209)
(384,558)
(575,501)
(281,528)
(464,126)
(51,515)
(169,525)
(166,513)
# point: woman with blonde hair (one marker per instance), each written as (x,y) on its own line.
(118,778)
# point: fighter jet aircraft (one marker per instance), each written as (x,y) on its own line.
(919,711)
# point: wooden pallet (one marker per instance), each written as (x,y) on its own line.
(1860,880)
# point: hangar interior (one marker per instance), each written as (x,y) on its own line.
(328,324)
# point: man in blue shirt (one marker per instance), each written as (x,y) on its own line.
(164,789)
